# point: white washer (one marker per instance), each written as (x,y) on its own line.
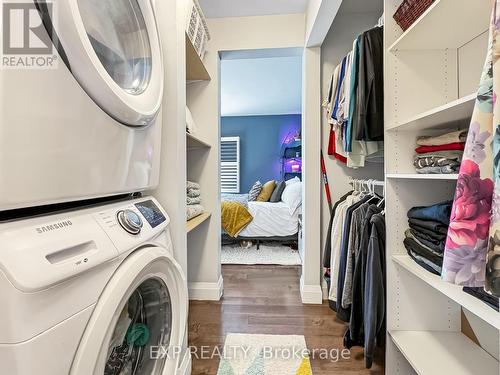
(90,127)
(82,289)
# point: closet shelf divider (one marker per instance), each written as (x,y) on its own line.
(437,353)
(442,117)
(457,21)
(453,292)
(195,143)
(416,176)
(197,221)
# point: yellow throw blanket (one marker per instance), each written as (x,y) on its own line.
(235,217)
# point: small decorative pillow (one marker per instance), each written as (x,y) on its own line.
(254,191)
(292,196)
(267,191)
(276,196)
(292,181)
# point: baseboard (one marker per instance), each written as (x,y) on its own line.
(311,294)
(185,366)
(206,291)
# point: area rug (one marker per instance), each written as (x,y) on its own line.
(267,254)
(264,355)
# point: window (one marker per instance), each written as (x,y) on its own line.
(230,164)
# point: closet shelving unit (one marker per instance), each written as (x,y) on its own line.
(195,146)
(196,143)
(430,72)
(198,220)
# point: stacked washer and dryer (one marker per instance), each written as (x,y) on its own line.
(88,288)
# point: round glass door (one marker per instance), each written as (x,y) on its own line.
(112,49)
(144,323)
(117,31)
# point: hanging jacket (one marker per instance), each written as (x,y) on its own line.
(368,124)
(375,289)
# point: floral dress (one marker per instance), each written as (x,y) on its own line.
(472,253)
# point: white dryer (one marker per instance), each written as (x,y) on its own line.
(90,127)
(94,291)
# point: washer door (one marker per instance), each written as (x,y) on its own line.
(139,322)
(112,48)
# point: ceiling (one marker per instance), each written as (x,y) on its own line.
(362,6)
(244,8)
(261,86)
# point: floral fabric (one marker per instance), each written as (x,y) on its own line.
(472,252)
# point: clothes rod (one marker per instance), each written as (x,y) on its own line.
(368,182)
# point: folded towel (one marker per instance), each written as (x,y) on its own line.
(191,201)
(192,185)
(194,210)
(446,147)
(193,193)
(458,136)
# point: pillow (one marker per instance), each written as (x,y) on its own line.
(276,196)
(292,181)
(254,191)
(267,191)
(292,196)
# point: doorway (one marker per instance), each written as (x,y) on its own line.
(261,157)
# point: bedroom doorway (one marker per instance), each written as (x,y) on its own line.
(261,157)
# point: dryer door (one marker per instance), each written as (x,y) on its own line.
(112,48)
(139,322)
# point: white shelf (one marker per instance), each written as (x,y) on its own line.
(453,292)
(416,176)
(195,143)
(443,117)
(458,22)
(438,353)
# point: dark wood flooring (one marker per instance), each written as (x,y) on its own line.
(266,300)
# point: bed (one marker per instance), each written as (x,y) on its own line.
(271,221)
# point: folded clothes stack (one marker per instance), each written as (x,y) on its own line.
(425,239)
(193,200)
(440,154)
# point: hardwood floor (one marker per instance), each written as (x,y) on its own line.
(266,300)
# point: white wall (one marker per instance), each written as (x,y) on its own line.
(346,27)
(242,33)
(170,16)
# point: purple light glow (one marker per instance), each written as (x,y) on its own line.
(293,165)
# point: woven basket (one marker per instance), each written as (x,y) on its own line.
(409,11)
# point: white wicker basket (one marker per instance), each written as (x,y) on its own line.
(196,27)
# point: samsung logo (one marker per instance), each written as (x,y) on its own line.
(55,226)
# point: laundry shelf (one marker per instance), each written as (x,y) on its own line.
(194,143)
(435,353)
(442,117)
(453,292)
(195,69)
(463,21)
(198,220)
(417,176)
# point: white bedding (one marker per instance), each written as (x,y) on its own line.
(271,220)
